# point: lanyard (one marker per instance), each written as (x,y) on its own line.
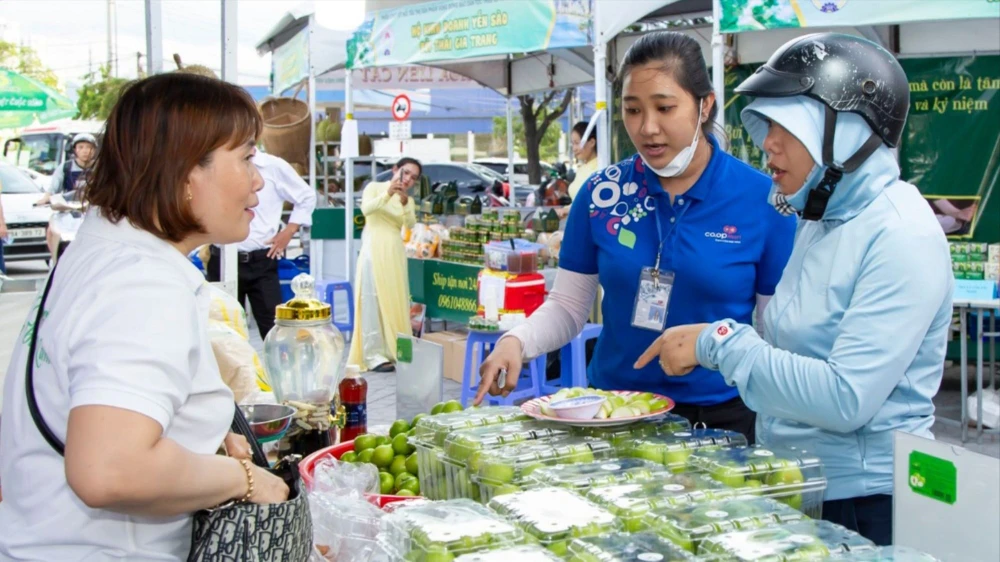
(663,239)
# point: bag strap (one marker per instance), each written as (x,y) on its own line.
(240,424)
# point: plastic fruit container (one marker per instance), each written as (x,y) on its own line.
(688,526)
(884,554)
(430,434)
(463,449)
(788,475)
(608,472)
(631,502)
(625,547)
(673,450)
(669,423)
(308,464)
(445,530)
(555,516)
(802,540)
(506,469)
(528,553)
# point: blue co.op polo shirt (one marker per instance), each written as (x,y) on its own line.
(724,242)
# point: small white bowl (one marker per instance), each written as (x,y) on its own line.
(580,408)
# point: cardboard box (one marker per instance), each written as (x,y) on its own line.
(454,352)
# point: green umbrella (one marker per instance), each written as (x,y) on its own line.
(25,101)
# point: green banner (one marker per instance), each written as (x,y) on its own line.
(291,62)
(449,290)
(757,15)
(24,101)
(458,29)
(951,144)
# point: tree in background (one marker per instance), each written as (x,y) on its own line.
(98,94)
(24,60)
(533,133)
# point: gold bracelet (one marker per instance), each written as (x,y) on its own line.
(249,469)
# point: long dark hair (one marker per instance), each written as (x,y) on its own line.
(580,128)
(682,58)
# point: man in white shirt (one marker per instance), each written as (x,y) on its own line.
(259,254)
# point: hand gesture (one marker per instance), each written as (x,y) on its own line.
(676,349)
(501,370)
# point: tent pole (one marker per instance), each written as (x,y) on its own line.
(718,65)
(349,181)
(510,148)
(154,37)
(601,91)
(228,266)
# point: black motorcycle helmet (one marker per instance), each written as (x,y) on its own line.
(846,74)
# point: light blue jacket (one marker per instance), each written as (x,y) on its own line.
(855,335)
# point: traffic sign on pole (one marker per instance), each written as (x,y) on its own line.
(401,107)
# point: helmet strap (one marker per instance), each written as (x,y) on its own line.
(819,197)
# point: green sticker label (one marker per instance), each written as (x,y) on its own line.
(404,350)
(933,477)
(626,238)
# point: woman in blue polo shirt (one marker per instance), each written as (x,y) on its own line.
(683,220)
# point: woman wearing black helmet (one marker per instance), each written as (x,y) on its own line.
(855,336)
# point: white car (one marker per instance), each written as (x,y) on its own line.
(499,165)
(26,223)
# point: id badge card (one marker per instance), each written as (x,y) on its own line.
(653,300)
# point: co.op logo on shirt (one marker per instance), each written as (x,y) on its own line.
(729,235)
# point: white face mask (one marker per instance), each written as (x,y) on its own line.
(680,163)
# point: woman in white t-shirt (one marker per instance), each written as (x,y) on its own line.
(124,373)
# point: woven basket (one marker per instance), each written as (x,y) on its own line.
(286,129)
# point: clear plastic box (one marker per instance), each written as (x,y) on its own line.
(521,258)
(669,423)
(555,516)
(608,472)
(430,435)
(788,475)
(506,469)
(463,449)
(688,526)
(631,502)
(529,553)
(674,449)
(802,540)
(444,530)
(625,547)
(883,554)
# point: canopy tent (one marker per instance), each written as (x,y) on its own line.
(25,101)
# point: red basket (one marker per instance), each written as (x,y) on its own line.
(307,465)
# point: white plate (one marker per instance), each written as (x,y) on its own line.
(533,408)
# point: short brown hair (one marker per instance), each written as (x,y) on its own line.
(158,131)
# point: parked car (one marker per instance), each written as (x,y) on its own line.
(499,165)
(471,179)
(26,223)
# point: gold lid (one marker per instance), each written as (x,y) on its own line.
(303,306)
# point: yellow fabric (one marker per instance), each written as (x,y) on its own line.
(583,171)
(385,217)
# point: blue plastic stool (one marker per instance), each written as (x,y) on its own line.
(332,288)
(573,361)
(476,349)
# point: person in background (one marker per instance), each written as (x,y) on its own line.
(68,181)
(680,231)
(258,255)
(382,287)
(124,373)
(856,334)
(585,152)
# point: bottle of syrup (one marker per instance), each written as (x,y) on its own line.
(353,396)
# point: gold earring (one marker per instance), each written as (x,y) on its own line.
(190,196)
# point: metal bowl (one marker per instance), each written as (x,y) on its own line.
(268,421)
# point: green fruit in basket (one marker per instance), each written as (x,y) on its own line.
(401,478)
(386,483)
(349,456)
(559,548)
(411,464)
(452,406)
(383,440)
(435,553)
(366,455)
(401,445)
(581,455)
(416,419)
(383,455)
(411,485)
(498,473)
(398,465)
(788,475)
(399,426)
(729,476)
(677,459)
(793,501)
(437,408)
(365,441)
(752,486)
(527,469)
(474,460)
(506,489)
